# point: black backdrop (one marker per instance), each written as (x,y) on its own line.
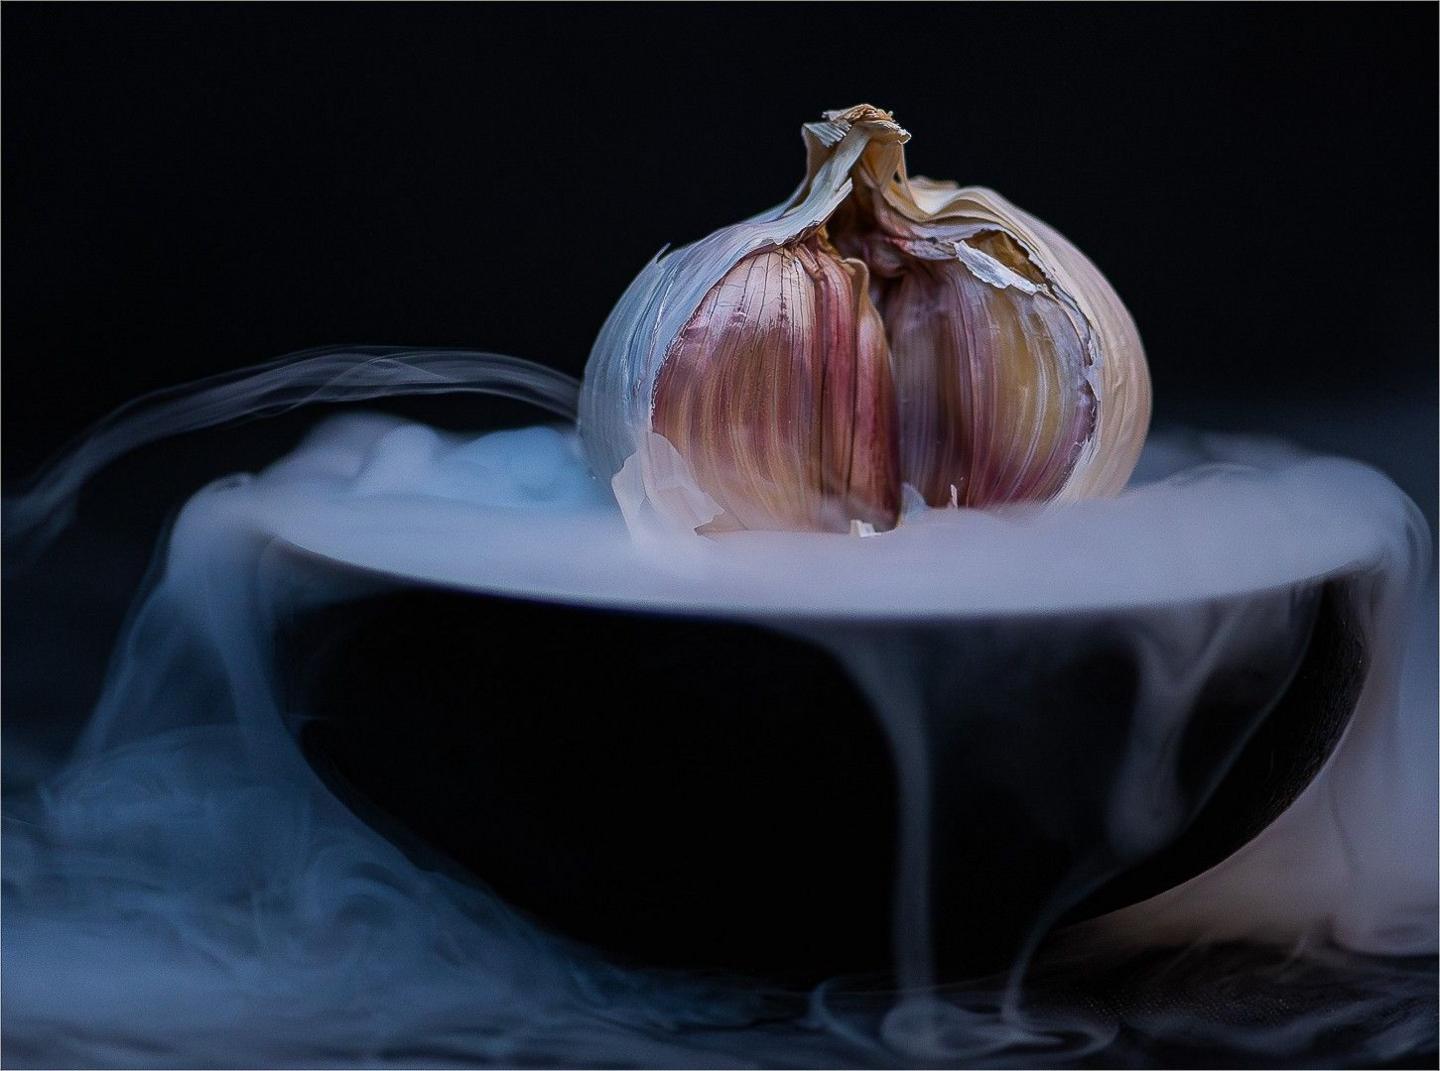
(189,189)
(194,188)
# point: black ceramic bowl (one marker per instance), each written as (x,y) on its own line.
(727,800)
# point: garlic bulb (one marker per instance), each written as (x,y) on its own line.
(796,370)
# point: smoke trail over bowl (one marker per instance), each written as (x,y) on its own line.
(189,890)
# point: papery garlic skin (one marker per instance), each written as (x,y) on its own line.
(872,331)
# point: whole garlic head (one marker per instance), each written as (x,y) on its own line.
(794,371)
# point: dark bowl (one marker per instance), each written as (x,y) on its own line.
(705,793)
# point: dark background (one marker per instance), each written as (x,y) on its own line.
(190,189)
(195,188)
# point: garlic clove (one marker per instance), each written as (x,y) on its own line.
(1039,363)
(993,400)
(777,393)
